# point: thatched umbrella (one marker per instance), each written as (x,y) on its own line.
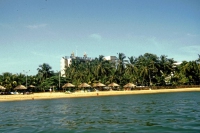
(67,85)
(113,85)
(31,86)
(20,87)
(129,85)
(100,85)
(2,88)
(84,85)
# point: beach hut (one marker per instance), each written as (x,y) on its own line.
(129,86)
(31,88)
(99,85)
(113,85)
(68,85)
(20,87)
(84,85)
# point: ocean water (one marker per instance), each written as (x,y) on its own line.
(166,112)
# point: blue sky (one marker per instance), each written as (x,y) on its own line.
(33,32)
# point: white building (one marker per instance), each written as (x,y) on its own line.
(67,61)
(64,62)
(115,60)
(111,58)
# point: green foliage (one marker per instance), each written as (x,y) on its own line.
(145,70)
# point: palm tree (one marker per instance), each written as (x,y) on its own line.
(45,71)
(121,68)
(121,64)
(112,77)
(165,68)
(9,81)
(198,69)
(131,71)
(147,67)
(102,69)
(198,60)
(191,71)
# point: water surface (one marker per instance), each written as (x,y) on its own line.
(168,112)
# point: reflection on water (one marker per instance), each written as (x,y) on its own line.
(141,113)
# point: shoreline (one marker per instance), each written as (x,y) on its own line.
(61,95)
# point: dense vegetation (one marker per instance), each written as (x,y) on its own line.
(145,70)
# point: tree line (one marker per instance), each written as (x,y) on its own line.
(144,70)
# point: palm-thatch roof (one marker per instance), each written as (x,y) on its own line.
(113,85)
(2,88)
(31,86)
(20,87)
(83,85)
(98,85)
(68,85)
(129,85)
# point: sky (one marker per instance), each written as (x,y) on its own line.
(33,32)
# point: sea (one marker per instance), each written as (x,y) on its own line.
(164,112)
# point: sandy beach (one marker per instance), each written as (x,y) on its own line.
(57,95)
